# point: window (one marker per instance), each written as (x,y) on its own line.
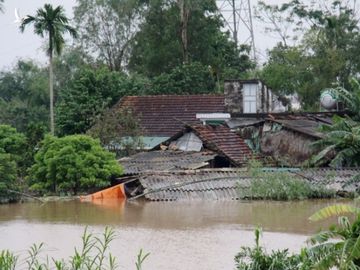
(249,91)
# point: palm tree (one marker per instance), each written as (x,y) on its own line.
(53,23)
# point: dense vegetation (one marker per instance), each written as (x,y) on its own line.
(72,164)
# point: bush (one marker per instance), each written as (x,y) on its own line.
(12,145)
(280,186)
(72,164)
(258,259)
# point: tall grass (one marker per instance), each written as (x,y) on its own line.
(280,186)
(94,254)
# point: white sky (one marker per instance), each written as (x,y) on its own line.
(15,45)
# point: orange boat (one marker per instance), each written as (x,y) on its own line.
(115,192)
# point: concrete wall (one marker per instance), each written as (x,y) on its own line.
(234,97)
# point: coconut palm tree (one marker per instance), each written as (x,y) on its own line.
(54,24)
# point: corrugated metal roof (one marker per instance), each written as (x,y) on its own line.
(164,115)
(243,122)
(337,179)
(305,126)
(193,185)
(165,161)
(222,184)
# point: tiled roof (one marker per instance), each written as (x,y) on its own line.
(222,140)
(165,161)
(193,185)
(164,115)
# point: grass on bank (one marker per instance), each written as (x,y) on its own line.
(94,254)
(281,186)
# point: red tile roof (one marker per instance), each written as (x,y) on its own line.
(164,115)
(222,140)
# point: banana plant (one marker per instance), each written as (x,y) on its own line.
(339,246)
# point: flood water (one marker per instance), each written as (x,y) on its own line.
(179,235)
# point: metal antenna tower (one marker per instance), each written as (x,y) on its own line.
(238,18)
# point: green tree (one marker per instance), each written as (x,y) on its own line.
(167,39)
(107,28)
(24,96)
(188,79)
(72,164)
(119,131)
(326,55)
(8,177)
(54,23)
(12,149)
(90,93)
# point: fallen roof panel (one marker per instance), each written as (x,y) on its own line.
(165,161)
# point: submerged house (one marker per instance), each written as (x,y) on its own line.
(197,146)
(162,116)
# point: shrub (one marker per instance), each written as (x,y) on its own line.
(258,259)
(72,164)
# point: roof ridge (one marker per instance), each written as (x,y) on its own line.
(172,95)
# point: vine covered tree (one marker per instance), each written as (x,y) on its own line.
(53,23)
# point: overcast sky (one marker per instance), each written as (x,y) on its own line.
(15,45)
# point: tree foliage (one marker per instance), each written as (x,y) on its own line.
(89,94)
(24,96)
(159,45)
(326,55)
(188,79)
(339,246)
(107,28)
(12,150)
(72,164)
(340,145)
(119,131)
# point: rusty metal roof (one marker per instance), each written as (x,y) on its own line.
(164,115)
(220,184)
(165,161)
(303,125)
(225,142)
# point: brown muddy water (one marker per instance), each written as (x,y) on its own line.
(179,235)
